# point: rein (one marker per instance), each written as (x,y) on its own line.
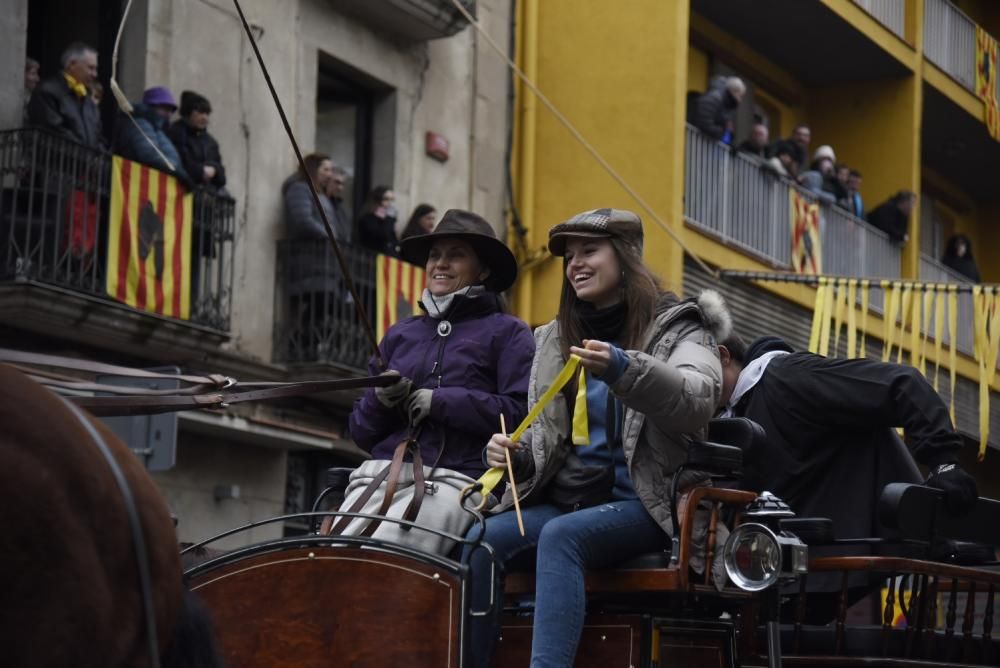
(211,391)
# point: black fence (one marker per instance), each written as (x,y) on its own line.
(55,198)
(315,317)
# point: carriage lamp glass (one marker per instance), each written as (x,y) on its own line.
(752,557)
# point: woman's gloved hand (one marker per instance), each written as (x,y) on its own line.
(390,395)
(418,406)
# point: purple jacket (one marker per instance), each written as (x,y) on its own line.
(484,368)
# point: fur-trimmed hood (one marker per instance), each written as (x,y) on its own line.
(716,314)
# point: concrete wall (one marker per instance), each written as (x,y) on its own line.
(202,465)
(14,36)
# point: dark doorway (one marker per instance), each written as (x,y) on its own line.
(54,24)
(345,129)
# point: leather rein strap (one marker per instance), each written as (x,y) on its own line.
(211,391)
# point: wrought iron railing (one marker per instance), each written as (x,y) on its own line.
(55,200)
(734,197)
(890,13)
(950,41)
(315,317)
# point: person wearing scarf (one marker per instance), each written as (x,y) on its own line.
(461,364)
(652,380)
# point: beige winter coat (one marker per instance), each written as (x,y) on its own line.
(670,390)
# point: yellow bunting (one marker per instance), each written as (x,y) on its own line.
(978,321)
(939,297)
(824,331)
(852,322)
(904,317)
(926,329)
(581,430)
(915,332)
(953,342)
(491,478)
(865,290)
(817,316)
(890,312)
(987,364)
(838,318)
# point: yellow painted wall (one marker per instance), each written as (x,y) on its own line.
(698,69)
(626,95)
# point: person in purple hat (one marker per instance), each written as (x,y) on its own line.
(143,138)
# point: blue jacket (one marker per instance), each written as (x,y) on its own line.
(484,367)
(130,143)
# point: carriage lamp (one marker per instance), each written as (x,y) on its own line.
(756,557)
(758,553)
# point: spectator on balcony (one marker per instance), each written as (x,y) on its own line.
(820,179)
(199,152)
(782,162)
(341,221)
(302,220)
(31,79)
(377,223)
(421,222)
(97,92)
(716,108)
(958,256)
(893,215)
(855,204)
(143,137)
(482,356)
(798,145)
(756,143)
(62,104)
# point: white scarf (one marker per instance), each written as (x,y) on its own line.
(438,307)
(750,376)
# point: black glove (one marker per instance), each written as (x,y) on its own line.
(418,406)
(959,487)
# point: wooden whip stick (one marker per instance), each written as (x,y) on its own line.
(510,476)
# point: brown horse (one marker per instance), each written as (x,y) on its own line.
(71,590)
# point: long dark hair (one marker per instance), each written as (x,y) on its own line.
(413,227)
(374,199)
(312,163)
(642,296)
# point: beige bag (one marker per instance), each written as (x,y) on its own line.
(429,497)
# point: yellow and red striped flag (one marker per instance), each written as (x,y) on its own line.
(149,240)
(398,286)
(986,80)
(807,253)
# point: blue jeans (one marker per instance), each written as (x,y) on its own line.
(567,545)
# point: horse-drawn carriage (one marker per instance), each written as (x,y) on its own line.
(322,600)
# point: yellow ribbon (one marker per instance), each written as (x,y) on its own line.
(824,331)
(890,313)
(852,323)
(953,342)
(915,331)
(817,316)
(492,477)
(939,297)
(581,429)
(78,88)
(904,317)
(865,286)
(838,317)
(926,329)
(987,364)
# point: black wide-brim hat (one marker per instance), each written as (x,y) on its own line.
(478,233)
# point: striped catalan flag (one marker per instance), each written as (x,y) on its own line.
(807,253)
(149,240)
(398,287)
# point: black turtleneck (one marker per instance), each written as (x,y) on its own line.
(601,324)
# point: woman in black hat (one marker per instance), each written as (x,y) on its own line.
(462,363)
(595,489)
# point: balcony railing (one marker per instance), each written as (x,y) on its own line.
(950,41)
(932,271)
(54,217)
(731,196)
(315,318)
(890,13)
